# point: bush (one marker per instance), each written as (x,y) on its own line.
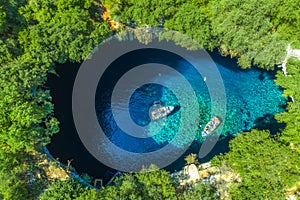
(63,190)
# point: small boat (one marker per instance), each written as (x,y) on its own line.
(211,126)
(161,112)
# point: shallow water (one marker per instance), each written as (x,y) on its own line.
(251,95)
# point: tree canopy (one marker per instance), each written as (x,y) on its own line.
(256,32)
(156,184)
(34,35)
(291,84)
(266,166)
(62,30)
(63,190)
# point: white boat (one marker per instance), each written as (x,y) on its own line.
(211,126)
(161,112)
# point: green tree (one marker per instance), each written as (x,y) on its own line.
(199,191)
(11,22)
(191,159)
(12,186)
(266,166)
(91,194)
(291,84)
(26,111)
(142,12)
(26,120)
(62,30)
(147,184)
(34,35)
(157,184)
(256,32)
(285,18)
(63,190)
(191,19)
(245,29)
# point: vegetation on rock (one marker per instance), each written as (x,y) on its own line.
(36,34)
(266,166)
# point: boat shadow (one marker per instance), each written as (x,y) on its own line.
(176,109)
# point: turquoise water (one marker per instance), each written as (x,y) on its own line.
(251,95)
(252,100)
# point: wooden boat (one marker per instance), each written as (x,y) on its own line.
(211,126)
(161,112)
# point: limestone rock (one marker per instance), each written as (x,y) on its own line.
(188,175)
(204,174)
(204,165)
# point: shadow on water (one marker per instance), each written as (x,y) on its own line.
(66,145)
(232,64)
(269,122)
(221,147)
(176,109)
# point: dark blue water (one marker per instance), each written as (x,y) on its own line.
(251,95)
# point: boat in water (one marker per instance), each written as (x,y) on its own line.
(161,112)
(211,126)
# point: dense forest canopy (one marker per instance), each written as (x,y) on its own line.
(34,35)
(291,84)
(257,32)
(62,30)
(268,168)
(152,185)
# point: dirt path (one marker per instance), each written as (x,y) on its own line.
(106,16)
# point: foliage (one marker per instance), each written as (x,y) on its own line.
(191,19)
(200,192)
(256,32)
(148,185)
(25,119)
(291,118)
(91,194)
(285,18)
(191,158)
(12,187)
(11,22)
(244,29)
(29,121)
(62,30)
(267,167)
(10,18)
(142,12)
(63,190)
(156,184)
(34,35)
